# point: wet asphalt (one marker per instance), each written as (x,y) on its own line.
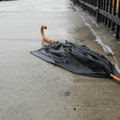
(32,89)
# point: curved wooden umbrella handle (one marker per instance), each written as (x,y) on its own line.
(42,34)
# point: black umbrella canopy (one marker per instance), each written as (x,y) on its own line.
(76,58)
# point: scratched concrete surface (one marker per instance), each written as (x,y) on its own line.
(32,89)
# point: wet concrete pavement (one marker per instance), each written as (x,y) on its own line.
(32,89)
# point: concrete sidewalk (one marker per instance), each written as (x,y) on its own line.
(32,89)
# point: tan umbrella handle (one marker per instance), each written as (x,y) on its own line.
(42,34)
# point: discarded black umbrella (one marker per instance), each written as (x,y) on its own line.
(76,58)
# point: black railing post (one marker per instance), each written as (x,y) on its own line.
(83,5)
(110,12)
(104,2)
(97,10)
(106,19)
(114,13)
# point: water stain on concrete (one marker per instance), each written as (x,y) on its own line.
(65,93)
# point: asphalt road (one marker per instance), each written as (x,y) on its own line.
(32,89)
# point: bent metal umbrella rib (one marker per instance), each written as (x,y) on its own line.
(76,58)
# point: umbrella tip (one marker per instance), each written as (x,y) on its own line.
(115,77)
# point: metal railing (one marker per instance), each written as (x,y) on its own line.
(106,11)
